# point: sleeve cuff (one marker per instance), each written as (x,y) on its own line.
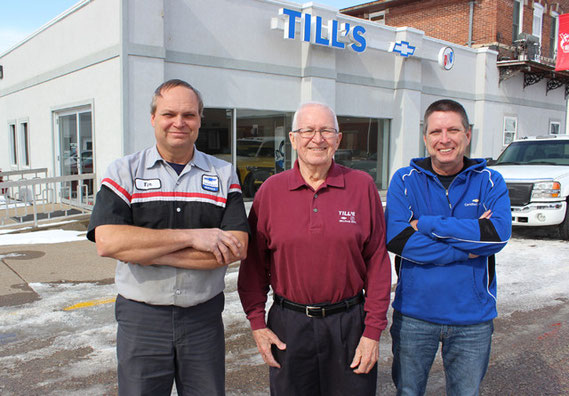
(257,323)
(372,333)
(425,225)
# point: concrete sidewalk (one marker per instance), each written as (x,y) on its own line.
(21,265)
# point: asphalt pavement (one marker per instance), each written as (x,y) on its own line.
(57,333)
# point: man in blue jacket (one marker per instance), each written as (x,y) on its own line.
(447,215)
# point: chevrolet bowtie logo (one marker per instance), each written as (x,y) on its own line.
(403,48)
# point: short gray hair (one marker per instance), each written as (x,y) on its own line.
(172,84)
(305,104)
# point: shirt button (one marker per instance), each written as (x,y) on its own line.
(315,210)
(178,210)
(178,292)
(315,195)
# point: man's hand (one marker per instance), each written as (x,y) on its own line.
(414,224)
(264,338)
(485,215)
(222,244)
(366,356)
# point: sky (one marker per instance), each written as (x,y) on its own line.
(20,18)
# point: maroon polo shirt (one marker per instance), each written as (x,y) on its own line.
(317,246)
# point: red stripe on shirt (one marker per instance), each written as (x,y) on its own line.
(178,194)
(237,186)
(119,188)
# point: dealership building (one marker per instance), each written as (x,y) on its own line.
(76,94)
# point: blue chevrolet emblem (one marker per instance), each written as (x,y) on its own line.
(403,48)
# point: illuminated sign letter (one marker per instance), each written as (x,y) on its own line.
(307,25)
(290,24)
(358,33)
(333,33)
(313,30)
(318,39)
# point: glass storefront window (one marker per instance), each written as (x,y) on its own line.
(364,146)
(262,146)
(215,133)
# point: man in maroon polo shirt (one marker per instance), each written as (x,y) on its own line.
(318,240)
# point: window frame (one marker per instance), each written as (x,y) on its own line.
(554,31)
(517,28)
(13,137)
(378,17)
(538,11)
(558,123)
(24,143)
(505,142)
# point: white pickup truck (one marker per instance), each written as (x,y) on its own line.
(536,171)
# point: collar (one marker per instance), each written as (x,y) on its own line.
(199,160)
(335,177)
(424,164)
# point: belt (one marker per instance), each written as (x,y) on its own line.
(319,311)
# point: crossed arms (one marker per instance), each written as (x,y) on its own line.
(205,248)
(441,240)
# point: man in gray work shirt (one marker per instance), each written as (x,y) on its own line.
(174,219)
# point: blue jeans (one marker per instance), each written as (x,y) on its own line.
(465,352)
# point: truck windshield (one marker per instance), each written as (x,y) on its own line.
(535,152)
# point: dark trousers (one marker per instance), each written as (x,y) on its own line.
(318,354)
(157,345)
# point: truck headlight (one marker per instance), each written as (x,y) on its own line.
(546,190)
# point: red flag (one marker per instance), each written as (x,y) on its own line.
(563,43)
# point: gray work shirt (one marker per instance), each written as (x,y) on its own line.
(143,190)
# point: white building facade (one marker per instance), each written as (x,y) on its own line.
(76,94)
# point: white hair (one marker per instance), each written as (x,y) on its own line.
(306,104)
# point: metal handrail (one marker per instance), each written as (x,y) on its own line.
(23,172)
(33,200)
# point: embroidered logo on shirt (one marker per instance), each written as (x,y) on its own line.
(475,202)
(147,184)
(347,217)
(210,183)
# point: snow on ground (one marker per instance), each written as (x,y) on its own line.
(60,330)
(39,237)
(531,274)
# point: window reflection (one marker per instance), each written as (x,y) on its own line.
(364,146)
(262,143)
(261,147)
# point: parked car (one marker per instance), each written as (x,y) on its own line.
(257,159)
(536,171)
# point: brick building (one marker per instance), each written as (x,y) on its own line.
(499,24)
(522,32)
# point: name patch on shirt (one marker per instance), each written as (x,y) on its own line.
(147,184)
(210,183)
(347,216)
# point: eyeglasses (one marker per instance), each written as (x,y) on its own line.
(308,133)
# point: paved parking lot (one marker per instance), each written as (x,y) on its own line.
(57,329)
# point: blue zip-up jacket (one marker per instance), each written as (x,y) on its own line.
(437,282)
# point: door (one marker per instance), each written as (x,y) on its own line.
(75,133)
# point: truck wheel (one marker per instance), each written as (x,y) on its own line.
(250,186)
(564,226)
